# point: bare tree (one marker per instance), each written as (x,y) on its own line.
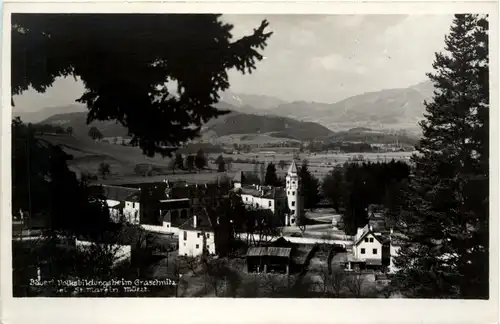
(354,283)
(333,281)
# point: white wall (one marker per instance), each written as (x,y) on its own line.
(264,203)
(193,245)
(368,246)
(131,211)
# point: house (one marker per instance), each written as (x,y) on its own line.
(368,249)
(196,235)
(264,197)
(269,259)
(174,212)
(123,203)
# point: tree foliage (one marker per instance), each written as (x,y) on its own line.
(95,134)
(309,187)
(200,160)
(127,61)
(444,221)
(271,179)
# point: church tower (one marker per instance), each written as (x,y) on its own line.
(295,203)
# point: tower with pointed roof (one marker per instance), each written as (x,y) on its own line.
(293,194)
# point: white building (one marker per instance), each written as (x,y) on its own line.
(123,203)
(367,250)
(261,197)
(196,235)
(294,196)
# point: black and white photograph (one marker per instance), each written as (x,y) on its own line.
(335,156)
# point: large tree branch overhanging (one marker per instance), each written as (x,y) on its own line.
(125,62)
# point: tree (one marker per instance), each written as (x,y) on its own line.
(179,161)
(221,164)
(333,187)
(69,131)
(200,160)
(309,187)
(444,223)
(271,179)
(104,169)
(190,162)
(126,61)
(95,134)
(282,164)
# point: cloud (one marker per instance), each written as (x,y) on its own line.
(320,57)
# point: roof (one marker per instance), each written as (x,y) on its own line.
(269,251)
(203,222)
(292,168)
(378,238)
(120,205)
(268,192)
(121,193)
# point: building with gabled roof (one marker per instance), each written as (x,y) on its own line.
(123,202)
(196,235)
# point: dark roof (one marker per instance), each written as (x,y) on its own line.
(269,251)
(202,222)
(265,192)
(121,193)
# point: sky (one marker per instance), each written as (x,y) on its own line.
(322,58)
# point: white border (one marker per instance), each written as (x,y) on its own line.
(149,310)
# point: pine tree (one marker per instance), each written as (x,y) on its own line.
(444,223)
(271,179)
(309,187)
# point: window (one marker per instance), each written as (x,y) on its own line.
(293,193)
(199,235)
(366,239)
(362,251)
(185,235)
(292,211)
(293,203)
(371,239)
(374,251)
(168,225)
(133,205)
(246,198)
(288,182)
(270,203)
(197,246)
(293,182)
(288,192)
(208,235)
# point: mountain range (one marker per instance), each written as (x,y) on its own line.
(391,109)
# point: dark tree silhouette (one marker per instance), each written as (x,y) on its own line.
(444,222)
(69,131)
(104,169)
(200,160)
(221,164)
(309,187)
(190,162)
(125,62)
(271,179)
(179,161)
(95,134)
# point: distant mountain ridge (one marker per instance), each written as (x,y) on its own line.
(391,109)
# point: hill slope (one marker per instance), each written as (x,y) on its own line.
(78,120)
(239,123)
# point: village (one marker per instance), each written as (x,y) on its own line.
(184,232)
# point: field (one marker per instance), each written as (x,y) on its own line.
(88,154)
(319,164)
